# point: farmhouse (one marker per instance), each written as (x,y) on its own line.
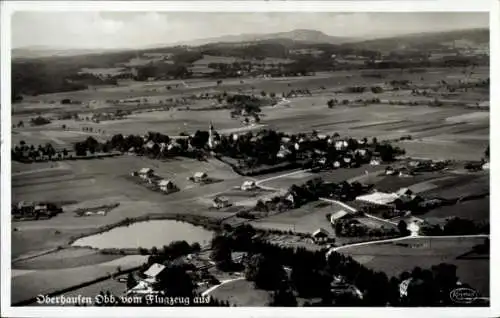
(25,207)
(41,209)
(149,145)
(320,234)
(248,185)
(152,273)
(221,202)
(283,152)
(238,257)
(146,173)
(338,216)
(341,145)
(378,198)
(390,171)
(200,177)
(166,185)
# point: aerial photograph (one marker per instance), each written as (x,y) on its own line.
(250,159)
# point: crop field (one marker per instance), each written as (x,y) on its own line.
(461,185)
(396,257)
(90,183)
(40,282)
(242,293)
(112,285)
(437,131)
(65,258)
(422,182)
(476,210)
(305,219)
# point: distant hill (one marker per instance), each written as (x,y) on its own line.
(33,52)
(301,35)
(422,40)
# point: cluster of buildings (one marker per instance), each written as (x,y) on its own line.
(25,209)
(148,175)
(346,157)
(205,66)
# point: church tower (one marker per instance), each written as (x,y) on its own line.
(211,136)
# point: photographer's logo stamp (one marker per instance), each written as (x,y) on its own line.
(463,295)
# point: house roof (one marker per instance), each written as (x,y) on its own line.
(338,215)
(23,204)
(236,256)
(221,199)
(404,191)
(381,198)
(154,270)
(321,231)
(200,174)
(164,182)
(145,170)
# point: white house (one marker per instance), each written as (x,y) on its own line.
(149,145)
(146,173)
(320,234)
(404,192)
(152,273)
(380,198)
(200,176)
(338,215)
(166,185)
(283,152)
(248,185)
(390,171)
(221,202)
(336,164)
(340,145)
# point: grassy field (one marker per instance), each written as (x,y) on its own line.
(242,293)
(477,210)
(305,219)
(66,258)
(92,183)
(438,131)
(47,281)
(394,258)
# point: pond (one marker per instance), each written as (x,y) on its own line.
(147,234)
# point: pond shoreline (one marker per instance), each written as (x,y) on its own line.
(206,223)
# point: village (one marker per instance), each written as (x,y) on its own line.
(257,173)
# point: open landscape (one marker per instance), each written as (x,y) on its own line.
(256,174)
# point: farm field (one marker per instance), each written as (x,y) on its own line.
(396,257)
(65,258)
(93,183)
(112,285)
(242,293)
(305,219)
(476,210)
(45,281)
(439,135)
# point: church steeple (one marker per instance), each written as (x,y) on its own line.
(211,135)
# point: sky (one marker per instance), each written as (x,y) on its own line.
(116,30)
